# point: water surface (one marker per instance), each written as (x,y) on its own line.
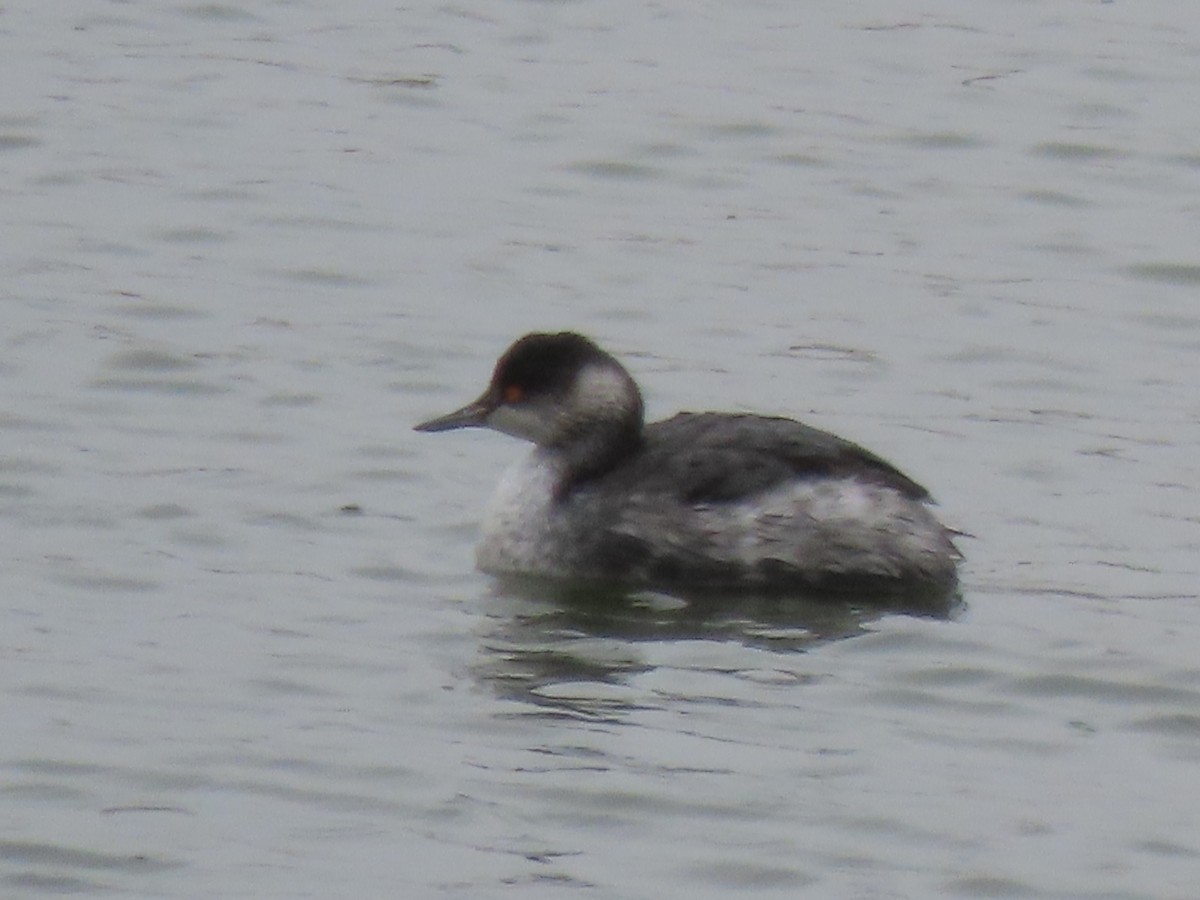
(247,247)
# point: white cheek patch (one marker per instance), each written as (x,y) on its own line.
(526,421)
(598,395)
(600,389)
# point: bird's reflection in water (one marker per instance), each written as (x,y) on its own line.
(567,649)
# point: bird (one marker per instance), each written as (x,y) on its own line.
(702,501)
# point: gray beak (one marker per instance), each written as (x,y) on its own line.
(473,415)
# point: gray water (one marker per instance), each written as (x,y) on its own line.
(247,246)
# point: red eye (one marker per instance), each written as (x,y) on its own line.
(513,393)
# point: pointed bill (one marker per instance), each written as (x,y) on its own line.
(473,415)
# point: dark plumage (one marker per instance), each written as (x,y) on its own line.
(719,457)
(706,500)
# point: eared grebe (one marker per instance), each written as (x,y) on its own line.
(700,500)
